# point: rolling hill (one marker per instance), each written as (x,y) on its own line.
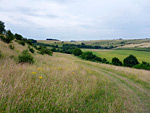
(65,83)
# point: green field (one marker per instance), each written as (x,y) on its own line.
(121,54)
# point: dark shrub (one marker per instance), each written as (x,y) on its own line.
(104,60)
(77,51)
(29,42)
(3,38)
(143,65)
(88,56)
(8,38)
(0,54)
(31,50)
(11,46)
(44,50)
(18,37)
(107,62)
(25,57)
(116,61)
(53,49)
(98,59)
(130,61)
(21,42)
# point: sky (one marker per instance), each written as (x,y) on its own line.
(77,19)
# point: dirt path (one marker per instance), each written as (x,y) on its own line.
(137,96)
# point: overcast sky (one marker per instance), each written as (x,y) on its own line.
(77,19)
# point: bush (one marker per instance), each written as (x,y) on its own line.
(130,61)
(116,61)
(21,42)
(98,59)
(88,56)
(25,57)
(11,46)
(28,42)
(53,49)
(31,49)
(77,51)
(6,39)
(0,54)
(9,36)
(104,60)
(44,50)
(18,37)
(144,65)
(3,38)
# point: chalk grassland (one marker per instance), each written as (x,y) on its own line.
(106,43)
(69,84)
(121,54)
(118,43)
(142,45)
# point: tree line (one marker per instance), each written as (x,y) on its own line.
(7,36)
(130,61)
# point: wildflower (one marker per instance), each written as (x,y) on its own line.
(73,72)
(40,77)
(34,73)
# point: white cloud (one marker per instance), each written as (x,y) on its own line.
(77,19)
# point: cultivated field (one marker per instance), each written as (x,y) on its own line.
(141,45)
(121,54)
(64,83)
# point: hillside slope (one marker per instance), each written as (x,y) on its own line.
(64,83)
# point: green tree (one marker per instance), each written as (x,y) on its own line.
(116,61)
(18,37)
(10,36)
(2,27)
(88,55)
(130,61)
(104,60)
(77,51)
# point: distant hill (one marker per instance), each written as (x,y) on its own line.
(52,39)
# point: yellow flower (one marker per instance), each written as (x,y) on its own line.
(34,73)
(73,72)
(40,77)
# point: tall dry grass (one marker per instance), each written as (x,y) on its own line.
(58,83)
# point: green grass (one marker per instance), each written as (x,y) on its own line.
(70,85)
(121,54)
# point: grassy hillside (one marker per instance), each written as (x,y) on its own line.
(64,83)
(121,54)
(140,43)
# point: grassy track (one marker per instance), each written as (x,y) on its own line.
(70,84)
(121,54)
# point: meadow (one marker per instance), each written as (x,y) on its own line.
(65,83)
(121,54)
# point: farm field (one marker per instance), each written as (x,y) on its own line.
(65,83)
(121,54)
